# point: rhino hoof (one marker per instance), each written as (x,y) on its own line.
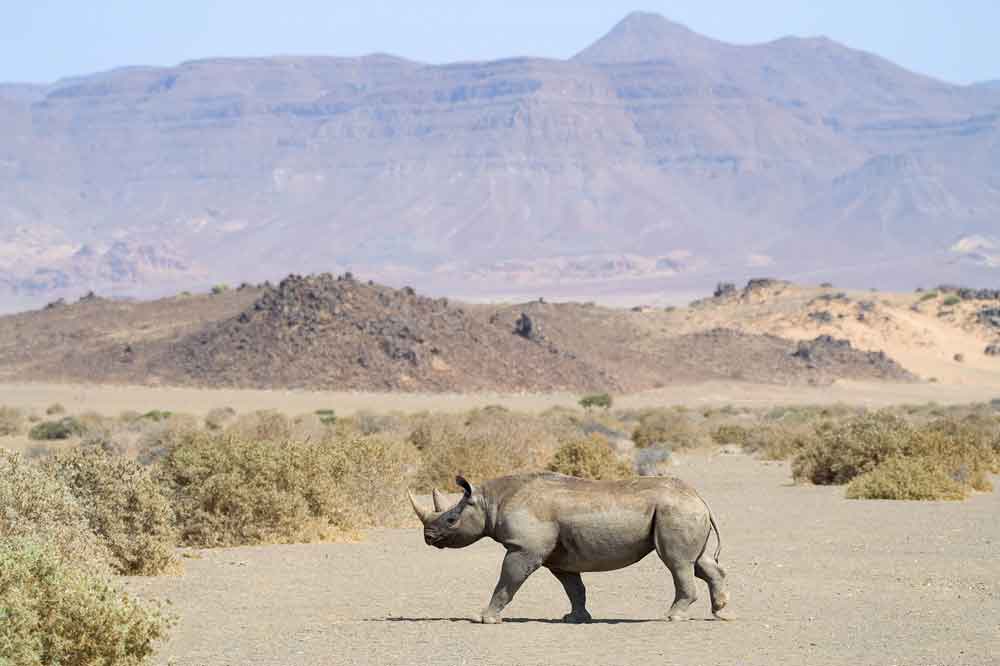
(490,619)
(577,618)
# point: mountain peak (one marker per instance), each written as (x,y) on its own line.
(643,36)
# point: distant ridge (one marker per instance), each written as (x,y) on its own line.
(655,161)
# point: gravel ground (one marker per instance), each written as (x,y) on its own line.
(814,579)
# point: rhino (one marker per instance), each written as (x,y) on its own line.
(570,526)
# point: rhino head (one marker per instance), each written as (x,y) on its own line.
(457,527)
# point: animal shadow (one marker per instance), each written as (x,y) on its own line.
(516,620)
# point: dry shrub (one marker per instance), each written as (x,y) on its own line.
(12,421)
(217,418)
(777,441)
(946,458)
(231,490)
(483,444)
(965,450)
(55,409)
(370,423)
(36,505)
(842,452)
(729,433)
(264,424)
(589,458)
(379,470)
(123,505)
(670,427)
(152,440)
(906,479)
(56,611)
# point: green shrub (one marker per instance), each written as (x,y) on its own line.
(602,400)
(123,505)
(668,426)
(327,417)
(906,479)
(589,458)
(220,289)
(951,300)
(928,296)
(55,611)
(11,421)
(845,451)
(36,505)
(157,415)
(62,429)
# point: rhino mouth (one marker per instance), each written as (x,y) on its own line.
(435,540)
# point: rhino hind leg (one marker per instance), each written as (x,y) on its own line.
(572,582)
(678,549)
(712,573)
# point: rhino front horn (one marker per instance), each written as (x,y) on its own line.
(440,501)
(423,514)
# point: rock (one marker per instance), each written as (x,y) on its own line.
(993,349)
(652,461)
(525,327)
(724,289)
(731,450)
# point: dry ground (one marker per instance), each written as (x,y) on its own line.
(112,400)
(815,579)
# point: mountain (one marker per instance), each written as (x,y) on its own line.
(655,160)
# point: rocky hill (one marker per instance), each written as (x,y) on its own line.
(339,333)
(655,154)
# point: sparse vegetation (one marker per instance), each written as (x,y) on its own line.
(219,289)
(951,300)
(55,409)
(12,421)
(62,429)
(670,427)
(928,296)
(217,418)
(327,417)
(880,449)
(602,400)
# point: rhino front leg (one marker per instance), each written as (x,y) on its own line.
(577,593)
(517,566)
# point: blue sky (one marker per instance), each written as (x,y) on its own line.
(43,40)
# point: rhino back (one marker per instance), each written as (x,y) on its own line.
(594,525)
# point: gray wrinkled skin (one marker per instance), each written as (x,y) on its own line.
(571,526)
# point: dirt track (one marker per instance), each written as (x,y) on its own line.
(814,578)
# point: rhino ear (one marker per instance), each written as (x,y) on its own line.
(464,485)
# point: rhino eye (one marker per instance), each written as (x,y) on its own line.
(451,520)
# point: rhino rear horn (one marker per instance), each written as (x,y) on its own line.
(440,501)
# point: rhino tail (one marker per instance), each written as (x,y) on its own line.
(718,536)
(715,528)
